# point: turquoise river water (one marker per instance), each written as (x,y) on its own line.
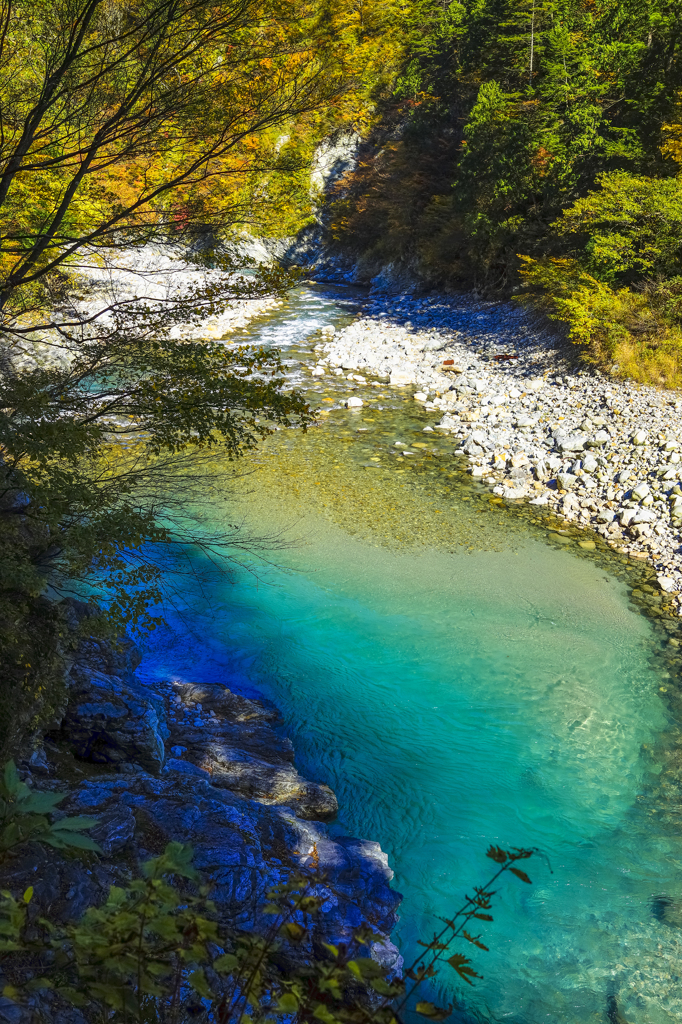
(460,677)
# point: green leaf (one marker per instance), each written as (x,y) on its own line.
(60,840)
(75,824)
(28,894)
(41,803)
(322,1013)
(287,1003)
(432,1011)
(226,962)
(39,983)
(10,779)
(72,994)
(197,979)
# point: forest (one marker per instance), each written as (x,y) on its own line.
(517,149)
(534,149)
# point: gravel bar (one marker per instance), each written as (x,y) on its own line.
(602,454)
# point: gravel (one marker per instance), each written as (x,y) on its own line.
(603,454)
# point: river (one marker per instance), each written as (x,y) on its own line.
(460,675)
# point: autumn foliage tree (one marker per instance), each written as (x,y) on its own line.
(507,113)
(123,124)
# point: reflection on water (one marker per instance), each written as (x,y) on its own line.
(461,677)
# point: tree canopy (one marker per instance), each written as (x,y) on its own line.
(121,125)
(542,129)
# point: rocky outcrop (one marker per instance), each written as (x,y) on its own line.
(197,764)
(231,740)
(108,721)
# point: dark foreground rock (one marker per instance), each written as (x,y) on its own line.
(196,764)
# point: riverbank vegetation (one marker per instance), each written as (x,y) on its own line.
(159,942)
(535,148)
(123,125)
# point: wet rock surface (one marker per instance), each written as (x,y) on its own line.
(196,764)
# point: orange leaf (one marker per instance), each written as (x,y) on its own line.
(460,963)
(474,939)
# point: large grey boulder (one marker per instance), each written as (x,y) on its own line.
(233,744)
(269,783)
(111,722)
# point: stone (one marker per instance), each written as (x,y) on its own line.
(471,448)
(639,437)
(640,491)
(419,396)
(317,371)
(186,768)
(271,784)
(114,830)
(570,443)
(668,584)
(589,463)
(601,438)
(388,956)
(353,402)
(642,515)
(566,481)
(108,721)
(512,490)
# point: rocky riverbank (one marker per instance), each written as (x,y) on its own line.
(602,454)
(190,763)
(154,275)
